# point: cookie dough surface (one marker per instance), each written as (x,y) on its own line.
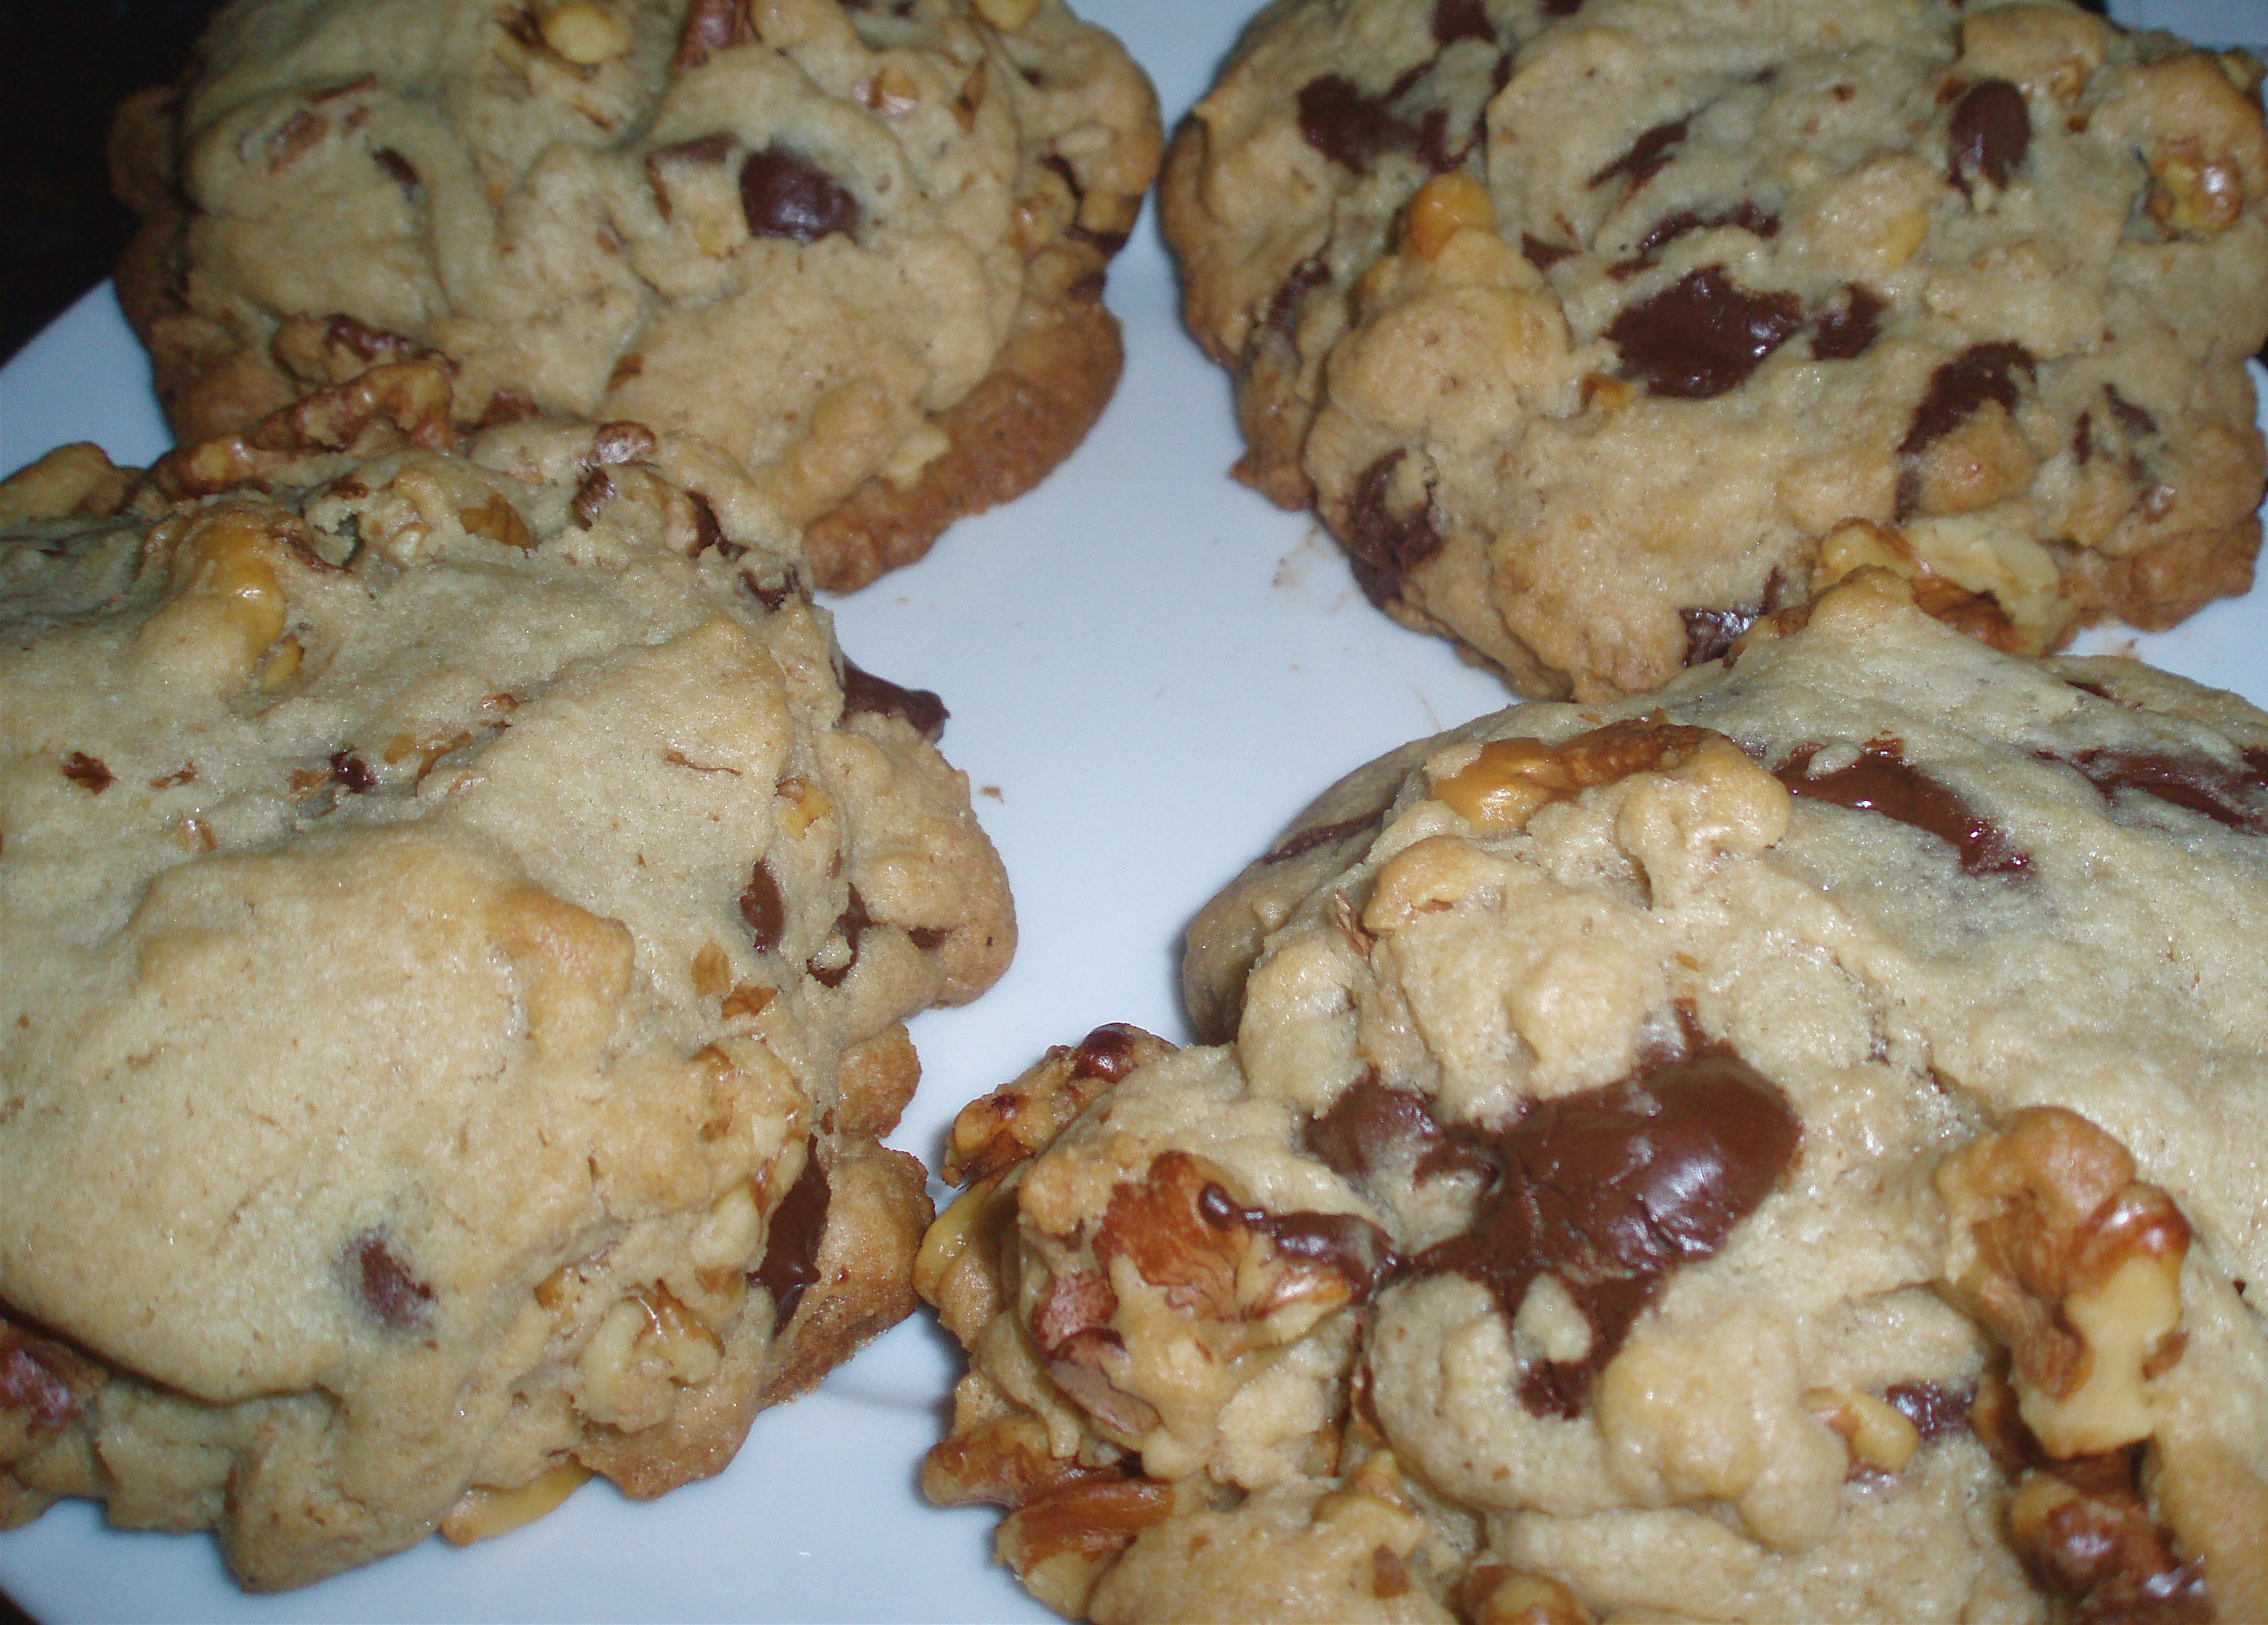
(461,914)
(1784,1147)
(859,248)
(1595,331)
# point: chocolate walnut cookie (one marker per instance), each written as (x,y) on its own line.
(1782,1149)
(858,247)
(1595,328)
(461,914)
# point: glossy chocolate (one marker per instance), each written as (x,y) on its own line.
(2236,798)
(1704,334)
(763,908)
(1107,1053)
(1352,1248)
(1881,780)
(1461,20)
(791,1261)
(1843,331)
(1992,131)
(919,709)
(1610,1191)
(1957,390)
(1386,546)
(1370,1128)
(1936,1412)
(1709,634)
(784,193)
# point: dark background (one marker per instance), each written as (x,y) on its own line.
(64,65)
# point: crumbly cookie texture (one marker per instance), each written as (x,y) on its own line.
(461,914)
(858,246)
(1595,328)
(1782,1149)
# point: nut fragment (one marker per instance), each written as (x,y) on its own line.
(69,481)
(890,91)
(483,1514)
(1007,15)
(2073,1264)
(644,1346)
(586,33)
(806,804)
(1444,206)
(1859,544)
(1497,1594)
(1876,1434)
(499,521)
(2098,1544)
(1511,780)
(1061,1544)
(1014,1121)
(1006,1462)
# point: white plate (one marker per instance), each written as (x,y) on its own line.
(1153,670)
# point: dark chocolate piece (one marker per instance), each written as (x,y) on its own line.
(88,772)
(791,1261)
(1992,131)
(1107,1053)
(1703,336)
(784,193)
(1386,547)
(1883,782)
(763,908)
(385,1286)
(919,709)
(2235,798)
(1710,633)
(1842,332)
(1306,840)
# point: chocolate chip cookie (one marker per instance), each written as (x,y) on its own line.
(461,911)
(1595,328)
(1784,1147)
(858,247)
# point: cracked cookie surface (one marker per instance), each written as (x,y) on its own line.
(859,248)
(1779,1147)
(1595,330)
(461,915)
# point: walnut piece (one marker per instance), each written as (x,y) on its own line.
(1512,780)
(1009,1125)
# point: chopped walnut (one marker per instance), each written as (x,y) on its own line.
(482,1513)
(1511,780)
(2097,1544)
(1497,1594)
(1009,1125)
(1006,1463)
(2073,1264)
(1062,1544)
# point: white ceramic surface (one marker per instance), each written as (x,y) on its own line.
(1150,670)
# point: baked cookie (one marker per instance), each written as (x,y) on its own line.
(1786,1148)
(858,247)
(461,915)
(1593,328)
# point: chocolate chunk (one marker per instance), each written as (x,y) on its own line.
(784,193)
(350,771)
(1934,1411)
(1980,374)
(1283,313)
(1562,7)
(2136,420)
(1461,20)
(1611,1190)
(399,169)
(385,1286)
(863,692)
(1386,547)
(763,908)
(2082,439)
(1842,331)
(88,772)
(1306,840)
(1881,780)
(1991,132)
(1107,1053)
(791,1261)
(1648,157)
(1352,1248)
(1704,336)
(1349,129)
(2236,798)
(1542,255)
(1371,1126)
(707,533)
(1746,215)
(1709,634)
(849,924)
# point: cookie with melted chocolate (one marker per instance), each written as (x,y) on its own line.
(1783,1139)
(1586,327)
(859,248)
(459,930)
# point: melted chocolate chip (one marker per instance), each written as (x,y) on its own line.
(1386,547)
(1648,157)
(1461,20)
(1746,215)
(1710,633)
(1991,132)
(2136,420)
(1371,1126)
(2082,439)
(1562,7)
(850,925)
(1934,1411)
(791,1261)
(763,908)
(1352,1248)
(1352,129)
(863,692)
(1842,331)
(399,169)
(1323,834)
(784,193)
(707,533)
(1612,1190)
(385,1286)
(88,772)
(1542,255)
(1283,313)
(1704,336)
(351,772)
(1980,374)
(1881,780)
(2236,798)
(1107,1053)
